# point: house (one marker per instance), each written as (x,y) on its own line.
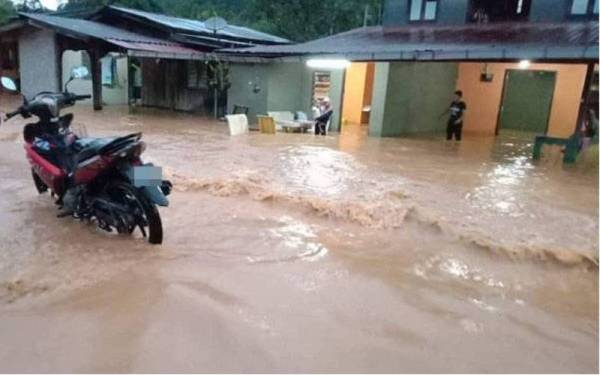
(526,65)
(154,59)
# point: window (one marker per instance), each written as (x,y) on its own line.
(423,10)
(8,59)
(520,7)
(584,7)
(196,75)
(579,7)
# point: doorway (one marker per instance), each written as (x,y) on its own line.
(526,101)
(358,94)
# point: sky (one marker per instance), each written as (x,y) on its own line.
(50,4)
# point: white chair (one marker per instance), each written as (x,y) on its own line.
(238,124)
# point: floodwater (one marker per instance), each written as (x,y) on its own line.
(295,253)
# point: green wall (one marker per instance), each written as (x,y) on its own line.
(243,77)
(408,97)
(285,86)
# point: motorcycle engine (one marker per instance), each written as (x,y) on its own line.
(72,198)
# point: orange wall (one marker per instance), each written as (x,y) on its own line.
(357,91)
(483,98)
(369,78)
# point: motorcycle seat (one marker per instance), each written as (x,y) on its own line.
(87,148)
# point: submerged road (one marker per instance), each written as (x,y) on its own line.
(291,253)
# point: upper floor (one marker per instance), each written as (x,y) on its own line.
(455,12)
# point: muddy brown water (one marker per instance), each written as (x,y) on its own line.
(291,253)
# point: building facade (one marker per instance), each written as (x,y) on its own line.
(460,12)
(523,65)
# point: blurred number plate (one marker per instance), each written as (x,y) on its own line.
(147,176)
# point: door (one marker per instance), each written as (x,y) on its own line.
(527,100)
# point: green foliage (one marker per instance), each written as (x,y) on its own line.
(297,20)
(7,10)
(302,20)
(147,5)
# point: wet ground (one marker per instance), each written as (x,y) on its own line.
(295,253)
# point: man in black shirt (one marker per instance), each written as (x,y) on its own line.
(455,122)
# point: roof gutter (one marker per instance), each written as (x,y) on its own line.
(200,56)
(548,53)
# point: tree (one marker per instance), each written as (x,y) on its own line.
(302,20)
(146,5)
(7,10)
(297,20)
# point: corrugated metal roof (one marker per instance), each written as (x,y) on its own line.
(575,40)
(92,29)
(164,49)
(135,44)
(196,26)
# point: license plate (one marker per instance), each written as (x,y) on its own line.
(147,176)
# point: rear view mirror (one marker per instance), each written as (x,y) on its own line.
(8,84)
(79,72)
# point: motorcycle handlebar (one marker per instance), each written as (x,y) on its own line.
(82,97)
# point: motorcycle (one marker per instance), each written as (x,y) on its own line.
(101,180)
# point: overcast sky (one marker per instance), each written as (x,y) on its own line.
(50,4)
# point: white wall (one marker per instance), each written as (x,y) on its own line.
(116,95)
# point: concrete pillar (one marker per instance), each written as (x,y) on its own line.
(336,97)
(380,91)
(96,73)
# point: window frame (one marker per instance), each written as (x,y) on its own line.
(590,13)
(201,75)
(422,11)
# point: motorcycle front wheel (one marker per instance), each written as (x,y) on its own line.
(145,212)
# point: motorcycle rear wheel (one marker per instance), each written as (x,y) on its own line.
(124,192)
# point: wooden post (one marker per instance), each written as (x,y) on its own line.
(96,72)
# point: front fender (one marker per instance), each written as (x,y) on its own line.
(153,192)
(155,195)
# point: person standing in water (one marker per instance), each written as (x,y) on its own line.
(457,112)
(323,119)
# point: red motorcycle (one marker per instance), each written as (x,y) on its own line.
(101,180)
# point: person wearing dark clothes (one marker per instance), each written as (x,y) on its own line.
(322,120)
(455,122)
